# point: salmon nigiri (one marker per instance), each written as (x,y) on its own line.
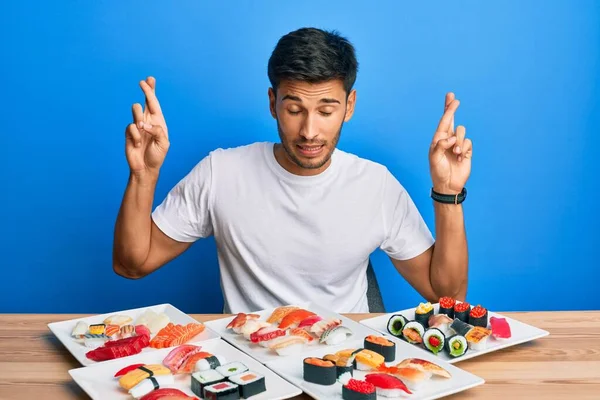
(294,318)
(279,313)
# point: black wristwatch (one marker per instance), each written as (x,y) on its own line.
(449,198)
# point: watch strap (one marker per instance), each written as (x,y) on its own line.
(449,198)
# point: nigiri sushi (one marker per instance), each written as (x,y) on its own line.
(387,385)
(251,326)
(127,331)
(294,318)
(240,320)
(150,384)
(301,332)
(412,377)
(119,320)
(319,327)
(132,378)
(309,322)
(264,335)
(441,322)
(425,366)
(367,360)
(112,331)
(287,345)
(335,335)
(500,328)
(279,313)
(79,331)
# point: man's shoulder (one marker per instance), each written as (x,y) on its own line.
(240,152)
(360,165)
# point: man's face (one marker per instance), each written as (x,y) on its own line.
(309,120)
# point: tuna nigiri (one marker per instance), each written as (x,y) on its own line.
(387,385)
(500,328)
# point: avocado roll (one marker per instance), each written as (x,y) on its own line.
(456,346)
(396,324)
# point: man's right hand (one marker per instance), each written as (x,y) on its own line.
(147,139)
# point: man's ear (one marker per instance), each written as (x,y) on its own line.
(350,103)
(272,101)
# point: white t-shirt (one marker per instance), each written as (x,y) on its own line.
(286,239)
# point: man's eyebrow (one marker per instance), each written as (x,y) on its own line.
(327,100)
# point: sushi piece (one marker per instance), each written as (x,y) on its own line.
(382,346)
(302,333)
(240,320)
(80,329)
(118,348)
(413,332)
(150,384)
(319,327)
(97,329)
(249,383)
(211,362)
(142,330)
(319,371)
(179,356)
(94,341)
(264,335)
(113,332)
(175,334)
(343,365)
(387,385)
(460,327)
(447,306)
(293,319)
(412,377)
(500,328)
(478,316)
(434,340)
(127,331)
(424,366)
(456,346)
(368,360)
(461,311)
(222,391)
(170,393)
(125,370)
(288,345)
(132,378)
(441,322)
(423,312)
(154,321)
(355,389)
(396,325)
(232,368)
(200,380)
(336,335)
(477,338)
(251,326)
(119,320)
(279,313)
(309,322)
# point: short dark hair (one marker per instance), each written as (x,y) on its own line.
(313,55)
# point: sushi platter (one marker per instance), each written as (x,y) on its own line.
(211,369)
(120,334)
(454,331)
(284,331)
(374,367)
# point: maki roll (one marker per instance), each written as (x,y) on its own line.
(232,368)
(423,312)
(358,390)
(456,346)
(413,332)
(200,380)
(381,345)
(434,340)
(478,317)
(319,371)
(447,306)
(460,327)
(250,383)
(222,391)
(396,325)
(461,311)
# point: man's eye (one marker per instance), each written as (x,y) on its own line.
(325,114)
(294,112)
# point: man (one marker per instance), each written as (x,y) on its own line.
(297,220)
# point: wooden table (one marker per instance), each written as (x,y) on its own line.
(566,364)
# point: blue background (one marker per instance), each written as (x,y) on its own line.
(526,73)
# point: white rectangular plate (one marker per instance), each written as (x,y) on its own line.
(292,370)
(265,355)
(520,333)
(62,330)
(99,383)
